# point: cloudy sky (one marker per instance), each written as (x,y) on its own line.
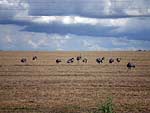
(86,25)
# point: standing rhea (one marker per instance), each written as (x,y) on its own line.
(99,60)
(23,60)
(118,59)
(130,65)
(78,58)
(111,60)
(71,60)
(84,60)
(58,61)
(34,58)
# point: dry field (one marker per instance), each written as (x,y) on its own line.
(43,86)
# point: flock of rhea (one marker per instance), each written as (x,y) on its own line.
(85,60)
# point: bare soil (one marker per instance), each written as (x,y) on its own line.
(42,86)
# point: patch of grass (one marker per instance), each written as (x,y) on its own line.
(106,107)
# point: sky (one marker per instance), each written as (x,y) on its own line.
(75,25)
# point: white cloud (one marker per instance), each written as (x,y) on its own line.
(13,8)
(79,20)
(95,8)
(41,41)
(93,45)
(107,8)
(59,41)
(11,35)
(130,44)
(88,8)
(36,43)
(133,25)
(138,8)
(8,39)
(113,43)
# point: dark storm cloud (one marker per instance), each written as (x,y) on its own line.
(89,30)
